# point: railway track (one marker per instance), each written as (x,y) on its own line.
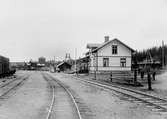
(17,82)
(67,108)
(160,104)
(9,82)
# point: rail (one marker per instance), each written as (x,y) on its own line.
(158,102)
(53,97)
(13,87)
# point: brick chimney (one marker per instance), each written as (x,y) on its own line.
(106,38)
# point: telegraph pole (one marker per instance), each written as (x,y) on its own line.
(163,54)
(149,72)
(135,68)
(54,64)
(94,67)
(76,60)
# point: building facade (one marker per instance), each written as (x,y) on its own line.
(42,60)
(64,66)
(112,55)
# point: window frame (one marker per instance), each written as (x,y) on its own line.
(114,49)
(122,62)
(105,62)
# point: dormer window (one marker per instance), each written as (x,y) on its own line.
(114,49)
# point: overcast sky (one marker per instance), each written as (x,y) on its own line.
(33,28)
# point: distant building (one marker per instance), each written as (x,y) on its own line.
(82,65)
(153,64)
(67,57)
(32,65)
(18,65)
(112,55)
(64,66)
(42,60)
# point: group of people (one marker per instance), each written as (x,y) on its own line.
(142,72)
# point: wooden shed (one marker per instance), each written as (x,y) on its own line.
(64,66)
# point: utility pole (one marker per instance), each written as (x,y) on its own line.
(149,71)
(135,68)
(95,66)
(54,64)
(149,80)
(163,54)
(76,60)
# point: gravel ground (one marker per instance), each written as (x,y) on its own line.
(97,103)
(16,75)
(29,102)
(159,85)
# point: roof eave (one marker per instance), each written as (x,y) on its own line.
(125,45)
(132,50)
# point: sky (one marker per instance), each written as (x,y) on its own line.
(33,28)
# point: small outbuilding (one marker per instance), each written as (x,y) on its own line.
(64,66)
(82,64)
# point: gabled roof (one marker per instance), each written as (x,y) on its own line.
(63,63)
(104,44)
(86,58)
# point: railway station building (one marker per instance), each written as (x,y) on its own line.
(112,55)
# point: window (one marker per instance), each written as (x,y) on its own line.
(105,62)
(114,49)
(123,62)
